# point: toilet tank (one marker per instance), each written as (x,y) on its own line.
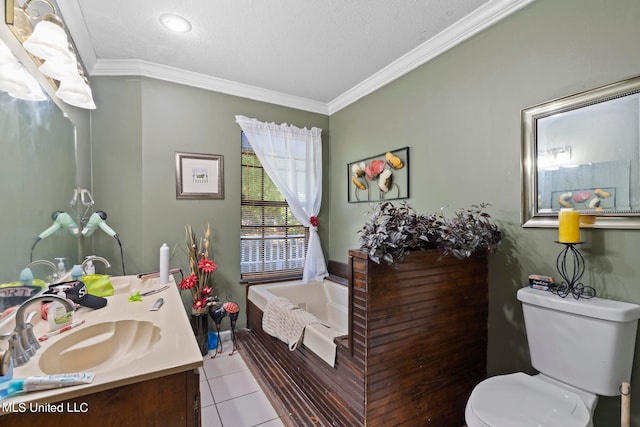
(586,343)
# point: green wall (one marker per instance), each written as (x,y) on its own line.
(460,115)
(139,126)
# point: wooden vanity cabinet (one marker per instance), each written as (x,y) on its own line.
(172,400)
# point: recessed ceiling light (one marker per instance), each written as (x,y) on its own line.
(175,23)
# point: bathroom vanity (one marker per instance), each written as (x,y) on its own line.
(146,365)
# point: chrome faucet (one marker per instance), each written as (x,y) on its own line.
(94,258)
(22,342)
(54,269)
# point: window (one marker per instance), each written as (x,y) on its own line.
(273,243)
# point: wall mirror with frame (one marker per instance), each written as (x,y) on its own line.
(583,152)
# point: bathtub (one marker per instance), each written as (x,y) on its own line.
(325,299)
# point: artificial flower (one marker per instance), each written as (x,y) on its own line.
(188,282)
(207,265)
(201,266)
(200,303)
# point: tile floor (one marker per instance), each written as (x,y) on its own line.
(231,396)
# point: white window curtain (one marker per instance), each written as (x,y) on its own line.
(293,159)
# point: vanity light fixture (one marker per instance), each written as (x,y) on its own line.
(76,92)
(59,71)
(51,48)
(14,78)
(7,77)
(6,56)
(544,161)
(30,90)
(49,41)
(175,23)
(554,158)
(18,83)
(563,156)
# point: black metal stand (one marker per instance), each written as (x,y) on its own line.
(570,264)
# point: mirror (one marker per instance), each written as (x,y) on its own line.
(37,177)
(583,152)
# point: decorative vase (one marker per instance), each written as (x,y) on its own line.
(200,326)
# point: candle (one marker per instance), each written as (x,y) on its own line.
(587,220)
(569,226)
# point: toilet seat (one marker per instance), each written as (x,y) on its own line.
(520,400)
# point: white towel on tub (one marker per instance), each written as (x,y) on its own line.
(286,321)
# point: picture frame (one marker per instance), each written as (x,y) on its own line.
(199,176)
(367,186)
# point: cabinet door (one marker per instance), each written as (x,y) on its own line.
(173,400)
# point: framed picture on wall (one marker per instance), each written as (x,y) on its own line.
(199,176)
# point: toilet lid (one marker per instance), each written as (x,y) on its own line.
(520,400)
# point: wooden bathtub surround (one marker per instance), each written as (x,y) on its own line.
(416,348)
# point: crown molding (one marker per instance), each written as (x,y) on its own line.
(117,67)
(483,17)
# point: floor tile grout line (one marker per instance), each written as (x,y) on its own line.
(239,396)
(264,422)
(212,398)
(209,380)
(240,369)
(211,386)
(225,374)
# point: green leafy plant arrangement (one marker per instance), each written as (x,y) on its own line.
(393,231)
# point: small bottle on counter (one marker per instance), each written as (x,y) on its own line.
(90,268)
(76,272)
(57,315)
(164,264)
(26,277)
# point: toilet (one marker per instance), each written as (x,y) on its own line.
(582,349)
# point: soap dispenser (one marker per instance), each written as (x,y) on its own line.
(26,277)
(57,315)
(76,272)
(61,267)
(89,268)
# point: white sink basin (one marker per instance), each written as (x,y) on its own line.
(102,346)
(131,284)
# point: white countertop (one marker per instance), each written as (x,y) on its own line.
(176,350)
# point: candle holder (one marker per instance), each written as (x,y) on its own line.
(570,264)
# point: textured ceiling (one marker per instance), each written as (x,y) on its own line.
(304,50)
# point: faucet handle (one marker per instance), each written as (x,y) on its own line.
(29,341)
(16,350)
